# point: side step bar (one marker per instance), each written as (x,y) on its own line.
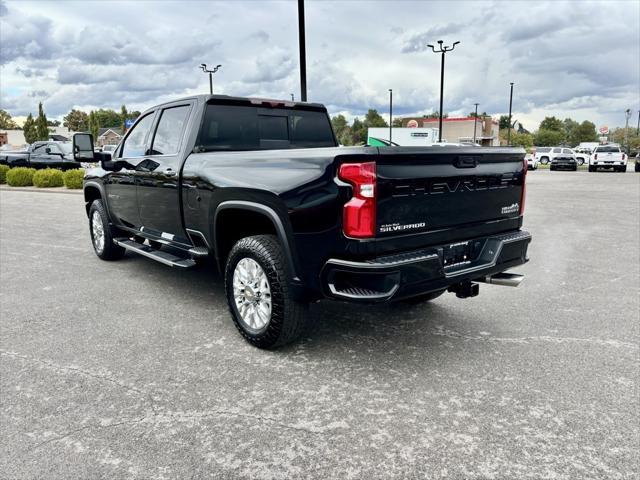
(157,255)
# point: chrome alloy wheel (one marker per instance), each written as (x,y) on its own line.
(252,294)
(97,231)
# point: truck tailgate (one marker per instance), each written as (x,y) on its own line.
(423,190)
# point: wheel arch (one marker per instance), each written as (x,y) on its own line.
(94,191)
(264,220)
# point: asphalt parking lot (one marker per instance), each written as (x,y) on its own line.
(133,370)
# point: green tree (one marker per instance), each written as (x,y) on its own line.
(108,118)
(124,116)
(6,122)
(29,130)
(435,114)
(93,124)
(518,139)
(339,123)
(53,123)
(374,120)
(553,124)
(548,138)
(583,132)
(503,122)
(480,115)
(76,121)
(397,123)
(358,132)
(41,124)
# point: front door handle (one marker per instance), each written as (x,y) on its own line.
(169,172)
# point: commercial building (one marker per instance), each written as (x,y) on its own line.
(460,129)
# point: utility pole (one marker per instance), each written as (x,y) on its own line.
(291,96)
(203,66)
(475,122)
(627,114)
(390,114)
(442,49)
(303,53)
(638,127)
(510,104)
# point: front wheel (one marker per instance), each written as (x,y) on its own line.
(257,281)
(544,160)
(592,168)
(102,233)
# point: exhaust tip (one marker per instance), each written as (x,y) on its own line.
(504,279)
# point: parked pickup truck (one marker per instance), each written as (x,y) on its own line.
(262,187)
(608,156)
(38,155)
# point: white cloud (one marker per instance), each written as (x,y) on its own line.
(569,59)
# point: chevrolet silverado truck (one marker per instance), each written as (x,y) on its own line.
(43,154)
(262,188)
(608,156)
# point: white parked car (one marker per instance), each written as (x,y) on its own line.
(608,156)
(545,155)
(532,162)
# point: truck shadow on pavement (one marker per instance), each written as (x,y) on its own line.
(332,324)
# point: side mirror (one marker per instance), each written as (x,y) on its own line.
(83,147)
(47,151)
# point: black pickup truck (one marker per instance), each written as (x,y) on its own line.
(42,154)
(262,187)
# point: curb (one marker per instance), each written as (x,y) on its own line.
(64,190)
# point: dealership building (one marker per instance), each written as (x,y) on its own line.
(460,129)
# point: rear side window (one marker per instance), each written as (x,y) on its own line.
(608,149)
(557,150)
(169,131)
(238,127)
(136,142)
(543,149)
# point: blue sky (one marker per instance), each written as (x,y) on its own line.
(569,59)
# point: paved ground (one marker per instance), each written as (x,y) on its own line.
(133,370)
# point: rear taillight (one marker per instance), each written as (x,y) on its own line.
(359,213)
(623,156)
(523,195)
(595,156)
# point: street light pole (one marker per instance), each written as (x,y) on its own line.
(638,127)
(203,66)
(390,114)
(442,49)
(303,54)
(627,114)
(475,122)
(510,105)
(291,96)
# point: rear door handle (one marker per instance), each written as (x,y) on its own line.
(465,162)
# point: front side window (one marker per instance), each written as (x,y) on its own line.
(566,150)
(169,132)
(135,144)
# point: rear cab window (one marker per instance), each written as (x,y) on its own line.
(607,149)
(240,126)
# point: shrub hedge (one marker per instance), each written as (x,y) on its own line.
(49,177)
(20,176)
(3,173)
(73,178)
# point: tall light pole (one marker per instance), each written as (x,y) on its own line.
(291,96)
(203,66)
(510,104)
(390,113)
(638,127)
(627,114)
(475,122)
(442,49)
(303,54)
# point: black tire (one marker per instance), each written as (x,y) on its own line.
(109,250)
(575,169)
(551,168)
(544,160)
(427,297)
(288,316)
(637,167)
(592,168)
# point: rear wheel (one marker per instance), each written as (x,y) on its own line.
(544,160)
(592,168)
(257,286)
(102,233)
(427,297)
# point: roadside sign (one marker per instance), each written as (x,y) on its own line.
(128,123)
(604,130)
(412,124)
